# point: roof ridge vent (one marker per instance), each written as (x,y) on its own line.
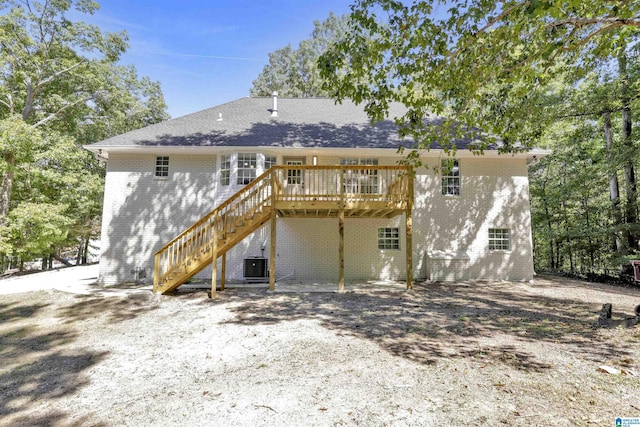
(274,110)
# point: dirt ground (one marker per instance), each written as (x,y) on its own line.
(514,354)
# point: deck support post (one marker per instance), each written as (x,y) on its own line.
(341,251)
(156,273)
(341,233)
(409,230)
(272,239)
(272,253)
(214,255)
(224,271)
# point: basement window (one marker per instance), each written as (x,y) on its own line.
(162,167)
(499,239)
(388,238)
(247,164)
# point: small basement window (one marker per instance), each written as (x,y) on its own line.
(162,167)
(388,238)
(499,239)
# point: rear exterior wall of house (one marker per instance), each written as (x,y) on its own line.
(481,232)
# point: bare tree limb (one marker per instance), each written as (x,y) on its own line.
(60,111)
(58,74)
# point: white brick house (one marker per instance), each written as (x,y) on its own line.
(471,223)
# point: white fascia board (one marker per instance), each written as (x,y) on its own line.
(532,153)
(104,150)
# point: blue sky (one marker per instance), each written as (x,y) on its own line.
(205,53)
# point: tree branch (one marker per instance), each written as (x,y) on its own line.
(60,111)
(484,29)
(582,22)
(8,104)
(599,31)
(58,73)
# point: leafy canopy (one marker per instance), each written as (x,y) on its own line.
(475,62)
(60,86)
(294,72)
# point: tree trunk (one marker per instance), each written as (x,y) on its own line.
(85,251)
(79,254)
(614,191)
(592,261)
(566,224)
(631,209)
(549,225)
(5,187)
(62,260)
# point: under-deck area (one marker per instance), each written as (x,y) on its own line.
(287,192)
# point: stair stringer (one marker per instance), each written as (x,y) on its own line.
(197,263)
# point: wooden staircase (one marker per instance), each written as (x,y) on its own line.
(318,191)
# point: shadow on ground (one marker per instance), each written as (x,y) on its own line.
(113,309)
(41,361)
(491,322)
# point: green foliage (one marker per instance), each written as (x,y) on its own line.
(19,138)
(575,223)
(34,229)
(533,73)
(60,87)
(294,72)
(478,64)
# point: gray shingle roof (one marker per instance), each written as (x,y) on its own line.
(301,122)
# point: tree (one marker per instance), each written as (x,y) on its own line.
(60,87)
(535,72)
(44,73)
(294,72)
(450,63)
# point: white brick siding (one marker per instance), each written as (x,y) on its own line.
(450,233)
(141,213)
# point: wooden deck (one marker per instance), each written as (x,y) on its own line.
(287,192)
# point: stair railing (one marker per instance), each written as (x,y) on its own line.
(196,241)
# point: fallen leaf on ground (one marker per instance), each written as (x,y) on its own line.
(609,370)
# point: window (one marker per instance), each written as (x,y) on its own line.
(361,181)
(388,238)
(269,161)
(225,169)
(450,171)
(162,167)
(295,176)
(247,163)
(499,239)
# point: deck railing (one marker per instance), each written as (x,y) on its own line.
(286,183)
(335,183)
